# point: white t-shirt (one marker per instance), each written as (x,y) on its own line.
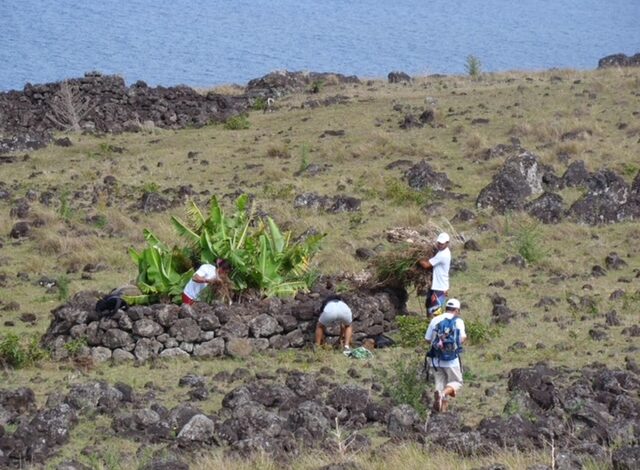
(193,288)
(429,336)
(441,262)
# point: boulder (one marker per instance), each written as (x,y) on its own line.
(398,77)
(199,429)
(520,177)
(547,208)
(421,176)
(264,326)
(213,348)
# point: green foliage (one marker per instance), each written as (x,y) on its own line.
(18,352)
(399,193)
(65,211)
(75,346)
(275,191)
(316,86)
(473,66)
(631,302)
(411,330)
(162,272)
(263,258)
(479,332)
(304,158)
(630,170)
(100,221)
(150,187)
(62,282)
(528,243)
(259,104)
(236,123)
(405,383)
(106,148)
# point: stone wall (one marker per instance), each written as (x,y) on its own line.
(104,103)
(202,330)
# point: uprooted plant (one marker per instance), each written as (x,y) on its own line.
(264,259)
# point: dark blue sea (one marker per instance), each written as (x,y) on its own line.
(211,42)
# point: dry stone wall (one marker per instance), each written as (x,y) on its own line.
(202,330)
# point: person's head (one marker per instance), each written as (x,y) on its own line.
(452,306)
(223,265)
(442,241)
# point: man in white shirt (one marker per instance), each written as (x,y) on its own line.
(207,274)
(448,374)
(440,264)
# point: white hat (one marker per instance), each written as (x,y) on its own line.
(443,237)
(453,303)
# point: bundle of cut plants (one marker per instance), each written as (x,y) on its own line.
(398,266)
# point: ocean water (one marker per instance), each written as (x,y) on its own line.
(211,42)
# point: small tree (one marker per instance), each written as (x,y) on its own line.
(473,67)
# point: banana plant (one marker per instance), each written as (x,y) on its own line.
(262,257)
(162,273)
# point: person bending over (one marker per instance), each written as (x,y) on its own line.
(334,309)
(206,275)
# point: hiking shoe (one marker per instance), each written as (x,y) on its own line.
(346,351)
(437,402)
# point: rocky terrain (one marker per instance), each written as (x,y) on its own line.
(535,175)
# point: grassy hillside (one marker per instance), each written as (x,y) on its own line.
(85,232)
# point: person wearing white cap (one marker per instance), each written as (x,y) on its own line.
(449,332)
(440,264)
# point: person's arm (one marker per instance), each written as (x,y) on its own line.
(424,263)
(463,333)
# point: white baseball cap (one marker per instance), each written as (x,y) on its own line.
(443,237)
(453,303)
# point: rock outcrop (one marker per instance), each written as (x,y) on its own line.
(619,60)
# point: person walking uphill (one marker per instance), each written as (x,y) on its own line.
(446,334)
(334,309)
(207,274)
(440,264)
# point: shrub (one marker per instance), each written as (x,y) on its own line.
(304,157)
(405,384)
(236,123)
(259,104)
(528,243)
(400,193)
(63,287)
(411,330)
(479,332)
(75,346)
(19,352)
(473,67)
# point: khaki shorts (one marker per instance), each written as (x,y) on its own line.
(448,377)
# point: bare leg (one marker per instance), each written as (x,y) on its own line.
(347,333)
(319,334)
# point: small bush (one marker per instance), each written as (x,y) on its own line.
(405,384)
(75,346)
(528,243)
(479,332)
(63,287)
(237,123)
(19,352)
(304,158)
(400,193)
(411,330)
(260,104)
(316,86)
(150,187)
(473,66)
